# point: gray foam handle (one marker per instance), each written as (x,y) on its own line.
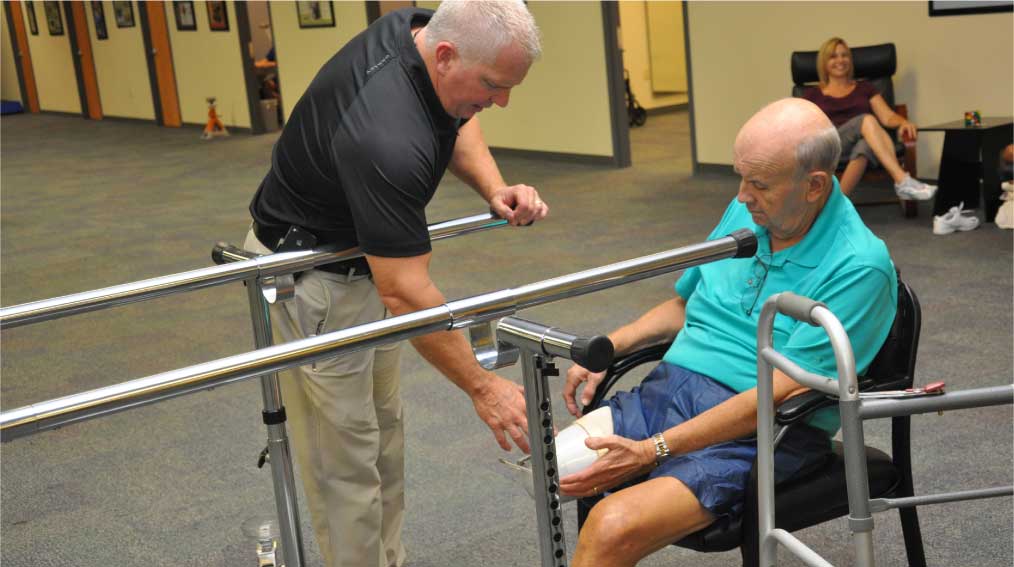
(798,307)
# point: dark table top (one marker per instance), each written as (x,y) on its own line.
(987,123)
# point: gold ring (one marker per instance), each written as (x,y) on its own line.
(595,490)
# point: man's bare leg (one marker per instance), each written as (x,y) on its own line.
(630,524)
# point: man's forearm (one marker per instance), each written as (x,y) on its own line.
(660,324)
(451,354)
(473,163)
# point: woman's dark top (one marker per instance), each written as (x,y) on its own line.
(841,110)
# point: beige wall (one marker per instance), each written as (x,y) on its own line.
(9,89)
(208,63)
(121,67)
(52,64)
(563,105)
(634,39)
(302,51)
(946,65)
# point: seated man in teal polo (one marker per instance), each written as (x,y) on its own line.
(674,454)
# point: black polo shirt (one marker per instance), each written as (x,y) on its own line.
(364,148)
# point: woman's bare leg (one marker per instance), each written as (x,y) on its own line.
(852,174)
(882,146)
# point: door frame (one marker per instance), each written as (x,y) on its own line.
(253,96)
(84,59)
(22,55)
(169,95)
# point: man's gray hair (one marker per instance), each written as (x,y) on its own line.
(819,151)
(481,28)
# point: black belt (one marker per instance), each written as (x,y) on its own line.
(271,236)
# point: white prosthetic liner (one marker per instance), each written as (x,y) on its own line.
(572,455)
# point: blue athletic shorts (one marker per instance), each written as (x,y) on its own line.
(717,475)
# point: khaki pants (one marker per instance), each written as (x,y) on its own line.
(345,419)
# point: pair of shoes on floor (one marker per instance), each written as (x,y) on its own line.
(954,220)
(911,188)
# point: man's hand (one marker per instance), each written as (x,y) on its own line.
(519,205)
(625,460)
(575,376)
(501,404)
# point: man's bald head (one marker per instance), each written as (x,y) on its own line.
(794,133)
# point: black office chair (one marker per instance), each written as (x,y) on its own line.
(820,495)
(876,64)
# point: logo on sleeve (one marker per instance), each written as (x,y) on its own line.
(376,67)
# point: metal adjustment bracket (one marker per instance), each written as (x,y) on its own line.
(490,353)
(277,289)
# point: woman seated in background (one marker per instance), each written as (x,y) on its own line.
(855,107)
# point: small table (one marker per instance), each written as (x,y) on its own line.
(971,153)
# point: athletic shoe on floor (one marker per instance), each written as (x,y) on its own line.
(955,219)
(910,188)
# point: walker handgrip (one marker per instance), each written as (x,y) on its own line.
(595,353)
(798,307)
(746,241)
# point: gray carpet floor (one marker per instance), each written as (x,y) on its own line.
(87,205)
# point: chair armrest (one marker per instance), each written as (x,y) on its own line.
(798,408)
(620,367)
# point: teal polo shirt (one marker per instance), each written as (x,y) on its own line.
(839,262)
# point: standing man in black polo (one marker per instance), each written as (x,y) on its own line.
(357,162)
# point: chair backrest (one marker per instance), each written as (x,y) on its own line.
(894,366)
(874,63)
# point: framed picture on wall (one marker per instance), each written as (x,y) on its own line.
(218,16)
(53,18)
(99,15)
(184,12)
(315,14)
(124,12)
(33,24)
(964,7)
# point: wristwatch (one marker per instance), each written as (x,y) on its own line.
(661,448)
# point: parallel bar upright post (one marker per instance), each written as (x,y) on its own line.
(280,457)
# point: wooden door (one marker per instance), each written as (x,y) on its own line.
(160,63)
(22,56)
(84,60)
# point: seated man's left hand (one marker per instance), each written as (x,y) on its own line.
(625,460)
(519,205)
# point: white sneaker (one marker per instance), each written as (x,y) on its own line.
(911,188)
(955,219)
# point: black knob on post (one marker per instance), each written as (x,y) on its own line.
(595,353)
(746,241)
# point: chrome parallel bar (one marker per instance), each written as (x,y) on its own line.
(883,504)
(963,399)
(274,264)
(86,405)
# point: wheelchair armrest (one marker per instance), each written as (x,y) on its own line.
(800,407)
(620,367)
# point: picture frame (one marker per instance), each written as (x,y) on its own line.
(315,14)
(218,16)
(54,19)
(99,16)
(124,13)
(33,24)
(966,7)
(186,20)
